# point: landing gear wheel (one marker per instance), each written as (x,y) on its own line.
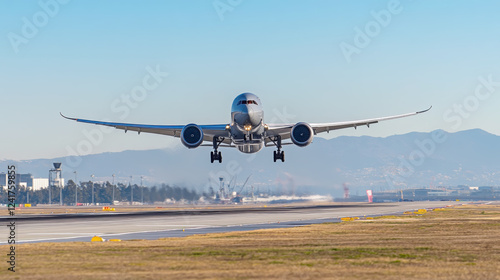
(215,155)
(279,155)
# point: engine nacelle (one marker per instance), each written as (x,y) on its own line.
(302,134)
(191,136)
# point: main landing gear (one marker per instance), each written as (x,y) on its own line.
(279,154)
(215,155)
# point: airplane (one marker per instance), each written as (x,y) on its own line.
(247,130)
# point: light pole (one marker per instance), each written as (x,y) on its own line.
(92,188)
(131,191)
(113,199)
(50,187)
(28,194)
(76,189)
(142,191)
(60,190)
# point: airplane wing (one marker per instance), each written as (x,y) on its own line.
(284,129)
(209,131)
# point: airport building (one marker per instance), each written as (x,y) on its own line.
(441,193)
(430,194)
(26,180)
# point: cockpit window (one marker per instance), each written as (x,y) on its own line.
(247,102)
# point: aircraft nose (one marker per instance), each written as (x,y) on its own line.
(247,115)
(253,116)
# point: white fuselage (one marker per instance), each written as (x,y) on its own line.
(247,123)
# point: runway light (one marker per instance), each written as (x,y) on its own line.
(421,211)
(97,239)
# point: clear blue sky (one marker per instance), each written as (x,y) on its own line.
(84,55)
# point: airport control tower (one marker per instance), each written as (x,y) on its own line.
(56,180)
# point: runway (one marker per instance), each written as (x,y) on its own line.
(82,227)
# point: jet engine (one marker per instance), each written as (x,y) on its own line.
(302,134)
(191,136)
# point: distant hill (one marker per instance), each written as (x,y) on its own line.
(469,157)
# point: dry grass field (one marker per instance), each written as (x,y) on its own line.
(455,243)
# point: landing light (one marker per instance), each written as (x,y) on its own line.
(248,127)
(228,127)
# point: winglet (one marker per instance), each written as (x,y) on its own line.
(67,117)
(424,110)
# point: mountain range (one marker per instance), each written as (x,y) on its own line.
(437,158)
